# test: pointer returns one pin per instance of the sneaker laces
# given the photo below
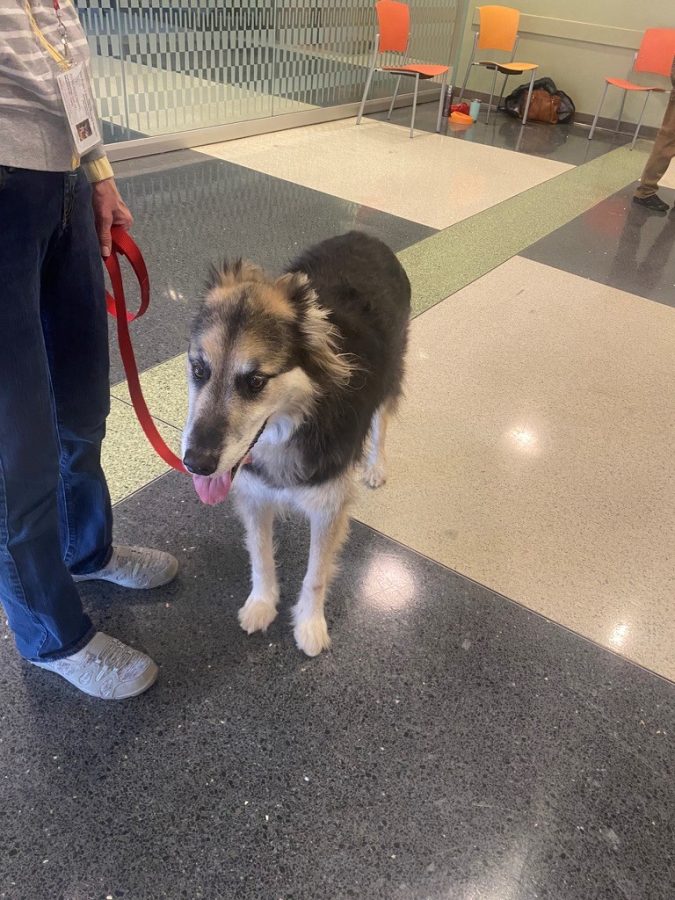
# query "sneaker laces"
(133, 564)
(117, 658)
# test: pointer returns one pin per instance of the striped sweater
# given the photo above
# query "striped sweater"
(33, 126)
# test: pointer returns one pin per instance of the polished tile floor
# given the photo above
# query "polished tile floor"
(496, 714)
(638, 257)
(564, 143)
(429, 180)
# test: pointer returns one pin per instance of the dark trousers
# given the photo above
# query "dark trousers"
(55, 514)
(661, 155)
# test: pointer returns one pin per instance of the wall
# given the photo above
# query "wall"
(578, 43)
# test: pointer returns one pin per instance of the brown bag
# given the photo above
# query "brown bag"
(543, 107)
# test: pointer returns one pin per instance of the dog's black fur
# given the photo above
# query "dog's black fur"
(359, 280)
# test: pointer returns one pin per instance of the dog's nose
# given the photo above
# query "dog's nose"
(200, 463)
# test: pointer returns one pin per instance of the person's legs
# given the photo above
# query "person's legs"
(74, 321)
(661, 155)
(41, 601)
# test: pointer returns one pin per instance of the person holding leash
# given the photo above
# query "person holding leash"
(659, 159)
(58, 201)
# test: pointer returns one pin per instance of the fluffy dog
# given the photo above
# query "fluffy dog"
(292, 382)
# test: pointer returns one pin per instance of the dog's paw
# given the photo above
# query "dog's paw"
(374, 476)
(257, 615)
(311, 635)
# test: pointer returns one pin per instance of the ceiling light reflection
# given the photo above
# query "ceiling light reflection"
(619, 634)
(388, 583)
(524, 439)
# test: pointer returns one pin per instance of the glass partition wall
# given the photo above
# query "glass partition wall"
(177, 74)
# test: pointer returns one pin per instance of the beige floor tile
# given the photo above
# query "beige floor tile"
(534, 452)
(164, 389)
(128, 459)
(429, 179)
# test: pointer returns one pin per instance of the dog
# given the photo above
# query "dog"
(292, 382)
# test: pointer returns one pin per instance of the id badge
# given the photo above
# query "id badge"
(80, 108)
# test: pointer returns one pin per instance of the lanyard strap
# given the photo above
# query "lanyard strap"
(116, 303)
(60, 58)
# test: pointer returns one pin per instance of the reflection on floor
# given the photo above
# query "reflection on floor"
(617, 243)
(453, 742)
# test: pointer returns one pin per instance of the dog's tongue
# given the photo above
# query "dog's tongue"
(212, 489)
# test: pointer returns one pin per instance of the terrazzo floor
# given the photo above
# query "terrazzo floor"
(495, 716)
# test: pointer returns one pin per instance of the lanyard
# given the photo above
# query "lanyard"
(63, 34)
(62, 58)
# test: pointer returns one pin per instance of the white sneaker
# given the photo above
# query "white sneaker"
(106, 668)
(136, 567)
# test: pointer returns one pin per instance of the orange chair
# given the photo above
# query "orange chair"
(393, 35)
(655, 56)
(498, 30)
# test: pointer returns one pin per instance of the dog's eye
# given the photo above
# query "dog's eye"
(255, 382)
(199, 371)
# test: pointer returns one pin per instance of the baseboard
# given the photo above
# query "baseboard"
(184, 140)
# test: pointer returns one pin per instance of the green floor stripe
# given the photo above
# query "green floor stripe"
(447, 261)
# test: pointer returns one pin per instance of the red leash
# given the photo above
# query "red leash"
(117, 307)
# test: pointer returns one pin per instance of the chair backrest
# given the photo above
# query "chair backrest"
(393, 21)
(656, 52)
(498, 27)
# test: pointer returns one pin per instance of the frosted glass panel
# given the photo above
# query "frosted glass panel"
(166, 67)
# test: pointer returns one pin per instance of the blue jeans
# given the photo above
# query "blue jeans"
(55, 514)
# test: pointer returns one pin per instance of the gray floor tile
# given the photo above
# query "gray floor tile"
(451, 744)
(617, 243)
(191, 216)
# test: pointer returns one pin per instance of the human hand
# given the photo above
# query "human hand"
(109, 210)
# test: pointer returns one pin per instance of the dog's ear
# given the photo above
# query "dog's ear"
(296, 286)
(320, 337)
(227, 275)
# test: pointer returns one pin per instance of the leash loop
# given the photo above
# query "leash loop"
(123, 243)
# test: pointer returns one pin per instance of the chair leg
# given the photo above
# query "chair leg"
(499, 102)
(529, 97)
(393, 99)
(466, 74)
(623, 103)
(644, 107)
(412, 118)
(597, 115)
(365, 94)
(440, 103)
(492, 93)
(520, 138)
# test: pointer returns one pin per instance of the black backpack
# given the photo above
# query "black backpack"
(567, 108)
